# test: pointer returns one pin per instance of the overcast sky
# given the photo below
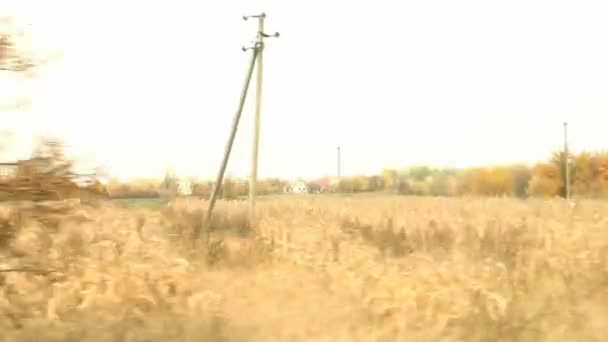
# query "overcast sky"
(148, 84)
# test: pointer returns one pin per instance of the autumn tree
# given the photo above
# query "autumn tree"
(558, 159)
(583, 173)
(313, 187)
(521, 176)
(269, 186)
(390, 179)
(346, 185)
(546, 180)
(201, 189)
(444, 183)
(233, 188)
(600, 183)
(418, 180)
(485, 181)
(419, 173)
(590, 174)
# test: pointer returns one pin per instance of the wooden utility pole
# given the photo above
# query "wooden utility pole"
(258, 108)
(339, 163)
(256, 52)
(220, 175)
(567, 161)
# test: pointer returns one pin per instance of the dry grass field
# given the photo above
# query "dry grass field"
(321, 268)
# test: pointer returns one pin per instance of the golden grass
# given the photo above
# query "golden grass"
(321, 268)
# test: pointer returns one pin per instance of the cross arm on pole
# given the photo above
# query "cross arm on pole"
(261, 15)
(259, 43)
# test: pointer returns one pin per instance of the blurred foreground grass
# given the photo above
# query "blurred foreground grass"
(320, 268)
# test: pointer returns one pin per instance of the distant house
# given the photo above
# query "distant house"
(184, 187)
(298, 187)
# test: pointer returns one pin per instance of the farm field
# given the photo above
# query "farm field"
(156, 203)
(152, 203)
(321, 268)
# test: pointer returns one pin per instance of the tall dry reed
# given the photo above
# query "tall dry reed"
(322, 268)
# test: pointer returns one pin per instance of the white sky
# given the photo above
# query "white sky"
(146, 85)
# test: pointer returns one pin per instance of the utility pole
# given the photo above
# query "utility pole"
(567, 161)
(339, 162)
(220, 175)
(258, 108)
(256, 52)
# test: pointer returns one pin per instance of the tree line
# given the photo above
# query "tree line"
(153, 188)
(588, 170)
(588, 178)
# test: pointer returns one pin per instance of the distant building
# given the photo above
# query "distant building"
(184, 187)
(298, 187)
